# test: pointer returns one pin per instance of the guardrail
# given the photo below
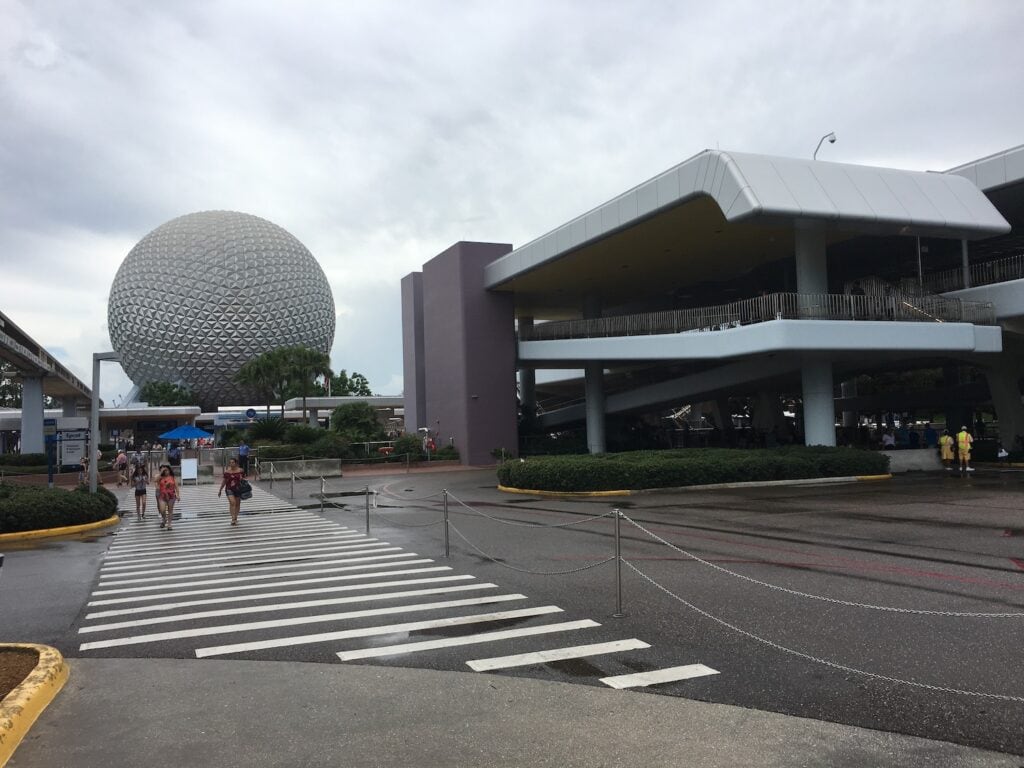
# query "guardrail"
(986, 273)
(775, 306)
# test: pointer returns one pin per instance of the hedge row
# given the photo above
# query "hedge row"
(694, 466)
(32, 508)
(23, 459)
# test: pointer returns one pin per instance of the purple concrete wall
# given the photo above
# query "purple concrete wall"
(469, 351)
(413, 368)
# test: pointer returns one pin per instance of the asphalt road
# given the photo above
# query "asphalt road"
(925, 543)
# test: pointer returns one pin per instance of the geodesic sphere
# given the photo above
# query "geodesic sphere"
(205, 293)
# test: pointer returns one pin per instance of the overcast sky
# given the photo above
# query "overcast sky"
(379, 133)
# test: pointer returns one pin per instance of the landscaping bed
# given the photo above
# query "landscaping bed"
(31, 508)
(15, 666)
(639, 470)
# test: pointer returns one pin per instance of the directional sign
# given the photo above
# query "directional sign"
(251, 413)
(49, 427)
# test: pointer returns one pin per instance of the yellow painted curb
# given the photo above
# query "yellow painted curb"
(67, 529)
(873, 477)
(20, 708)
(563, 494)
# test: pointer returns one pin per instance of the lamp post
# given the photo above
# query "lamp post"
(831, 140)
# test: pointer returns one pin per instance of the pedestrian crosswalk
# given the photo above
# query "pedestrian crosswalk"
(286, 583)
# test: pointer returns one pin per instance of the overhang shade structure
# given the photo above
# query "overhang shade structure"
(738, 208)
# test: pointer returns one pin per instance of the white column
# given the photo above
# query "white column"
(32, 414)
(69, 406)
(595, 407)
(819, 403)
(314, 417)
(812, 277)
(594, 387)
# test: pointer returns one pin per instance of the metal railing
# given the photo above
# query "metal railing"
(986, 273)
(775, 306)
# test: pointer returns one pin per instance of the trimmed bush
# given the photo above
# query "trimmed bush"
(409, 444)
(676, 468)
(23, 459)
(31, 508)
(302, 434)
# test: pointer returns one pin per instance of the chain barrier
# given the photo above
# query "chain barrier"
(526, 570)
(816, 659)
(376, 512)
(834, 601)
(527, 524)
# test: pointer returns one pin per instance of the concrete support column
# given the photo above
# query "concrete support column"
(595, 407)
(69, 406)
(32, 415)
(314, 417)
(1002, 384)
(819, 403)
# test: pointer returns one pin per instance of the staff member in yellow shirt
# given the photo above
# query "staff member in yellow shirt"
(946, 447)
(963, 447)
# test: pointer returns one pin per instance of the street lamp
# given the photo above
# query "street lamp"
(831, 140)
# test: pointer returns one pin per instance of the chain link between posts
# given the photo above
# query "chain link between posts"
(816, 659)
(526, 570)
(530, 525)
(834, 601)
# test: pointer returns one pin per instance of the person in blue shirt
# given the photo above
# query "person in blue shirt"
(931, 437)
(243, 457)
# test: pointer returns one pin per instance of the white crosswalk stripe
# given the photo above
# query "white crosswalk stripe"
(208, 579)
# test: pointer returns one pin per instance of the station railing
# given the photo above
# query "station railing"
(775, 306)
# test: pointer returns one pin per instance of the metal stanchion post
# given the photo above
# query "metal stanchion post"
(271, 475)
(618, 567)
(323, 484)
(367, 491)
(444, 494)
(292, 491)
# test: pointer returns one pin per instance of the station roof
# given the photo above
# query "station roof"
(722, 213)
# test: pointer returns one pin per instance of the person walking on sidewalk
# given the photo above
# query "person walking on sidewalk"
(167, 492)
(963, 447)
(139, 481)
(232, 485)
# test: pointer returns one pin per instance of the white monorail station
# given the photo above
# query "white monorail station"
(602, 292)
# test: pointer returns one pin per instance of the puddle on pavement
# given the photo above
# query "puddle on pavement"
(636, 666)
(460, 629)
(576, 668)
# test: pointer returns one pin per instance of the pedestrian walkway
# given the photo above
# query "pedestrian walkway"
(290, 582)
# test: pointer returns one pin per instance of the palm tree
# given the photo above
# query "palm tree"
(264, 374)
(305, 366)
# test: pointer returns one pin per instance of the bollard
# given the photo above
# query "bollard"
(271, 475)
(367, 491)
(444, 494)
(292, 492)
(323, 484)
(618, 567)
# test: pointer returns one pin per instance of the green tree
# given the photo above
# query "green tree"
(10, 389)
(166, 393)
(343, 384)
(304, 367)
(262, 375)
(357, 422)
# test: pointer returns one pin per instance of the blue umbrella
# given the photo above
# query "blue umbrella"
(186, 432)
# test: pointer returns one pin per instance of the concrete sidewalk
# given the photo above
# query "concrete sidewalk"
(131, 712)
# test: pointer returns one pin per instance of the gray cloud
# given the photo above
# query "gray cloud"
(379, 133)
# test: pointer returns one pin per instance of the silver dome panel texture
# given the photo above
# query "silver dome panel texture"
(203, 294)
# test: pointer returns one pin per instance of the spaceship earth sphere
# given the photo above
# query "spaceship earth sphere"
(204, 293)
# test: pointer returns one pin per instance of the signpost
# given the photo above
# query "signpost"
(50, 439)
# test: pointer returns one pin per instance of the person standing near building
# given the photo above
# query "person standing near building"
(946, 449)
(243, 457)
(963, 448)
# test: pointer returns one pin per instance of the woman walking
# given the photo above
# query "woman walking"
(167, 490)
(232, 485)
(140, 480)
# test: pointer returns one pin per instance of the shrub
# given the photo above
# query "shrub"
(302, 434)
(268, 429)
(668, 469)
(357, 422)
(23, 459)
(409, 444)
(331, 446)
(31, 508)
(448, 453)
(283, 452)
